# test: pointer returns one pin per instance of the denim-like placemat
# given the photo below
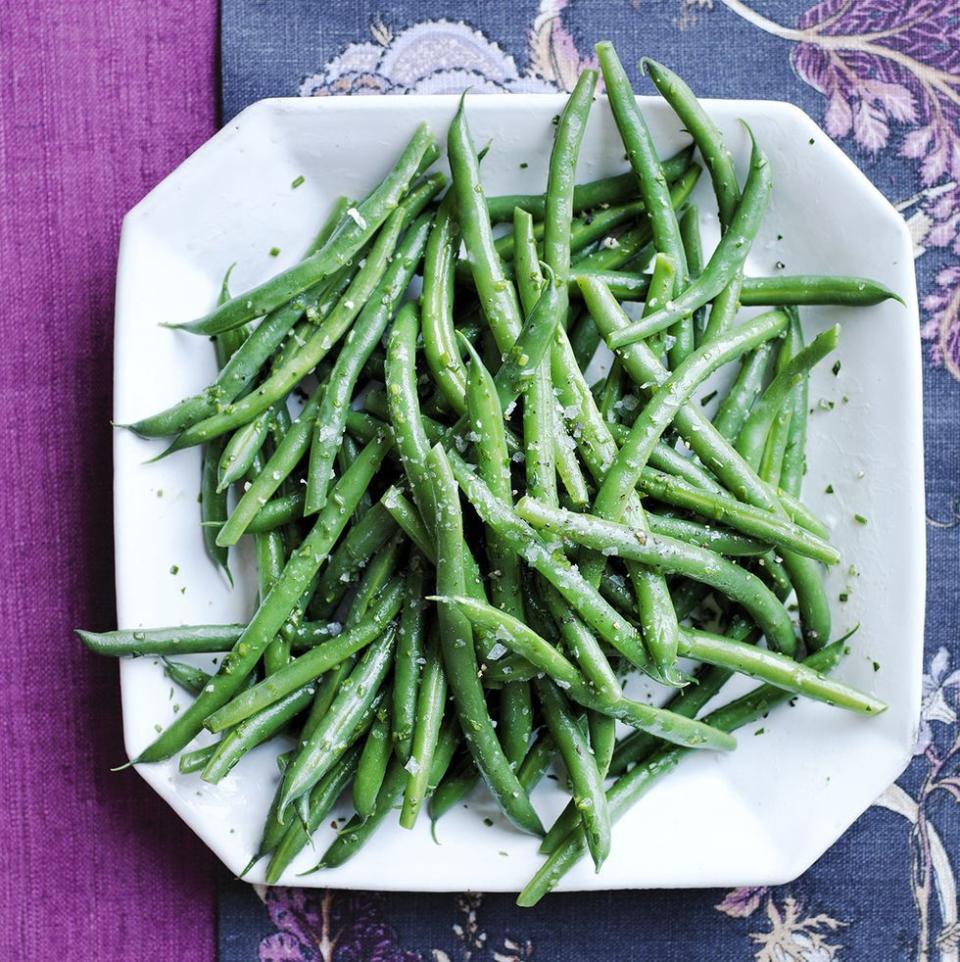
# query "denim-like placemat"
(883, 77)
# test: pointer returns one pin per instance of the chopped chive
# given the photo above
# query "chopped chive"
(860, 519)
(297, 181)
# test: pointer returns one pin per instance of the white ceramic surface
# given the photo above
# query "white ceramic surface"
(762, 814)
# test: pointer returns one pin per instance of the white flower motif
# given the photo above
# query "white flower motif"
(935, 706)
(443, 57)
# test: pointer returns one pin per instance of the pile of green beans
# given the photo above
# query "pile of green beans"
(463, 547)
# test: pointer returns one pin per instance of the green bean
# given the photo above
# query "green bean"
(643, 158)
(330, 739)
(241, 449)
(367, 331)
(497, 295)
(515, 726)
(725, 261)
(812, 289)
(349, 237)
(190, 762)
(213, 502)
(558, 213)
(584, 648)
(252, 732)
(436, 307)
(546, 658)
(754, 432)
(183, 640)
(596, 193)
(705, 133)
(777, 670)
(459, 782)
(364, 539)
(603, 739)
(586, 782)
(794, 464)
(409, 521)
(322, 799)
(493, 466)
(459, 658)
(630, 787)
(735, 408)
(751, 521)
(538, 400)
(274, 609)
(775, 443)
(276, 513)
(406, 669)
(669, 555)
(431, 700)
(725, 462)
(187, 676)
(720, 540)
(372, 767)
(279, 466)
(538, 760)
(685, 331)
(308, 667)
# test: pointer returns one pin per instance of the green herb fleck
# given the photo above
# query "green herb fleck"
(835, 368)
(297, 181)
(876, 666)
(812, 141)
(523, 165)
(825, 405)
(707, 398)
(174, 569)
(760, 731)
(159, 492)
(860, 519)
(843, 597)
(852, 571)
(274, 251)
(488, 822)
(158, 728)
(828, 489)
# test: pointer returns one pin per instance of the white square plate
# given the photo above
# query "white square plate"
(762, 814)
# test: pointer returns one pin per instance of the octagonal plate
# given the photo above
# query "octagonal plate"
(760, 815)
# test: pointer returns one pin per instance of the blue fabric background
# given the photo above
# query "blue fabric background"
(871, 897)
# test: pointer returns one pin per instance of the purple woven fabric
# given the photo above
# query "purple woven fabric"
(98, 101)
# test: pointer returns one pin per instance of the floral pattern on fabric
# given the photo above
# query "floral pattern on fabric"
(887, 74)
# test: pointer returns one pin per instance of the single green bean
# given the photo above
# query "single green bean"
(406, 669)
(777, 670)
(194, 761)
(643, 158)
(735, 408)
(244, 445)
(372, 767)
(431, 701)
(436, 307)
(586, 782)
